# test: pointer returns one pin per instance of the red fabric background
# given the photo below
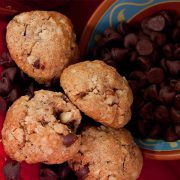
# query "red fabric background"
(79, 11)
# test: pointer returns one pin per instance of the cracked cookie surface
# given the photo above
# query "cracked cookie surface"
(42, 43)
(98, 91)
(41, 129)
(107, 154)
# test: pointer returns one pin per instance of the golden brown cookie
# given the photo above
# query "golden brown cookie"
(42, 44)
(98, 91)
(107, 154)
(41, 129)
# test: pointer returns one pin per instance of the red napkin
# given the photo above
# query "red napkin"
(152, 169)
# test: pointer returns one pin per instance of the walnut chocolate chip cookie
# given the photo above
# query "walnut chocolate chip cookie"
(98, 91)
(41, 129)
(42, 44)
(107, 154)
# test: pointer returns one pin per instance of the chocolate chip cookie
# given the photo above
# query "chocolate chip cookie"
(107, 154)
(41, 129)
(98, 91)
(42, 44)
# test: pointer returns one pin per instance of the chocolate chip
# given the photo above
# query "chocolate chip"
(146, 111)
(83, 172)
(167, 94)
(123, 28)
(119, 54)
(161, 114)
(111, 35)
(42, 66)
(144, 26)
(3, 105)
(139, 77)
(177, 87)
(144, 47)
(168, 50)
(170, 134)
(155, 75)
(177, 101)
(169, 16)
(11, 170)
(13, 95)
(133, 56)
(134, 86)
(5, 86)
(175, 115)
(177, 130)
(174, 67)
(36, 64)
(155, 131)
(69, 139)
(151, 92)
(144, 126)
(138, 102)
(176, 34)
(144, 62)
(158, 38)
(48, 174)
(105, 54)
(163, 65)
(64, 171)
(130, 40)
(177, 53)
(156, 23)
(9, 73)
(6, 60)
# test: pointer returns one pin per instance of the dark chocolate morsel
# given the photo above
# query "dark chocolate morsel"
(144, 47)
(177, 130)
(155, 130)
(37, 64)
(161, 114)
(175, 115)
(119, 54)
(146, 112)
(139, 77)
(177, 53)
(11, 170)
(123, 28)
(158, 38)
(5, 86)
(177, 101)
(174, 67)
(156, 23)
(83, 172)
(151, 92)
(3, 105)
(168, 50)
(144, 62)
(167, 94)
(155, 75)
(9, 73)
(69, 139)
(48, 174)
(130, 40)
(170, 134)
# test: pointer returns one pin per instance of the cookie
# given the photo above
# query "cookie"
(98, 91)
(107, 154)
(41, 129)
(42, 44)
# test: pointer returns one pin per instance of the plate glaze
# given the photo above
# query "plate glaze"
(109, 14)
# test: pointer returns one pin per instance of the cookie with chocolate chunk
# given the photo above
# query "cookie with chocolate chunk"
(107, 154)
(42, 43)
(99, 91)
(41, 129)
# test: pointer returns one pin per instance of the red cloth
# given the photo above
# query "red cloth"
(79, 11)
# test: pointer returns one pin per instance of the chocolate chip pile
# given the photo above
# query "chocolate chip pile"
(148, 55)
